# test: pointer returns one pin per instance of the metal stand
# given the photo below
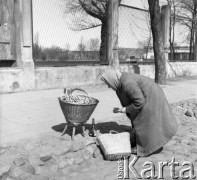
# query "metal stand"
(74, 129)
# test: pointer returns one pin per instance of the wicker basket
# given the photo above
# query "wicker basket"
(115, 146)
(77, 113)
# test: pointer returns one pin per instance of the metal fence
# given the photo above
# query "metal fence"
(53, 39)
(134, 34)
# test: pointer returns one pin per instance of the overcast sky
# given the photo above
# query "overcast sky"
(50, 24)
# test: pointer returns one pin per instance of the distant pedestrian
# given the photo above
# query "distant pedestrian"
(146, 106)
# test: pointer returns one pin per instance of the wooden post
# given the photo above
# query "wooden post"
(195, 45)
(165, 26)
(112, 31)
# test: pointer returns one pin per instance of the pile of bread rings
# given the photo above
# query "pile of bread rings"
(77, 99)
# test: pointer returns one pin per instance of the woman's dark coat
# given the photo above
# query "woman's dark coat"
(149, 111)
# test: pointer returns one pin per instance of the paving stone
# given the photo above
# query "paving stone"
(71, 161)
(45, 156)
(30, 146)
(5, 146)
(54, 168)
(38, 170)
(186, 142)
(64, 144)
(22, 172)
(20, 161)
(4, 170)
(35, 160)
(61, 151)
(86, 154)
(79, 160)
(65, 137)
(91, 148)
(81, 142)
(193, 138)
(38, 177)
(90, 140)
(195, 113)
(97, 154)
(9, 178)
(71, 155)
(63, 177)
(74, 168)
(77, 145)
(62, 164)
(189, 113)
(73, 174)
(2, 151)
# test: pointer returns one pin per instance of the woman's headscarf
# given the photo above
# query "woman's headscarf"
(112, 78)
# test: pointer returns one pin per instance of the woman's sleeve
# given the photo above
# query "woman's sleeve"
(135, 94)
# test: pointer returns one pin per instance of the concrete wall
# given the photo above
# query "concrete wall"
(18, 79)
(181, 69)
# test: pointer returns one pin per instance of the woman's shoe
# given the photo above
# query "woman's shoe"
(156, 152)
(134, 150)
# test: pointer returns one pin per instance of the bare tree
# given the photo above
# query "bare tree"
(81, 46)
(67, 46)
(146, 45)
(187, 15)
(85, 14)
(160, 64)
(172, 5)
(94, 44)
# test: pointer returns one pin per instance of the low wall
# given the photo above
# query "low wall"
(16, 80)
(181, 69)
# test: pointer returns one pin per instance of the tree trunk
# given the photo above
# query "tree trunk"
(103, 46)
(195, 30)
(195, 54)
(191, 43)
(172, 33)
(160, 64)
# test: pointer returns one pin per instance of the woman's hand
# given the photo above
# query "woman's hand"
(119, 110)
(123, 110)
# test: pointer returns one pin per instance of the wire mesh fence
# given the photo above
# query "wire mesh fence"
(135, 36)
(53, 39)
(134, 33)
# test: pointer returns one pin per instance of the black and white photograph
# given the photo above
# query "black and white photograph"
(98, 89)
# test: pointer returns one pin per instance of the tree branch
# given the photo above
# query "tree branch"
(88, 11)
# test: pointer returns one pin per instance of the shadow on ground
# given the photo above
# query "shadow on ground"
(104, 127)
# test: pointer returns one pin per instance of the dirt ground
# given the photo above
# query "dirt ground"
(52, 157)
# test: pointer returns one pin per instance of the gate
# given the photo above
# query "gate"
(7, 33)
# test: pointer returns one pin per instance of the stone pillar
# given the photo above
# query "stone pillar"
(165, 25)
(24, 41)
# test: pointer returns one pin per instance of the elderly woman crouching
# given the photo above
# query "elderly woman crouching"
(146, 106)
